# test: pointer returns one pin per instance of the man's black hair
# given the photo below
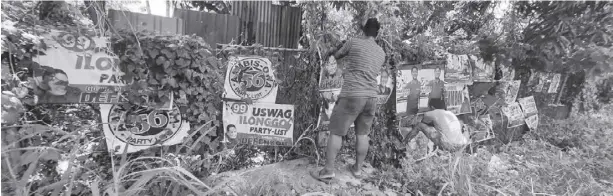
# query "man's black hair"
(371, 28)
(414, 67)
(230, 125)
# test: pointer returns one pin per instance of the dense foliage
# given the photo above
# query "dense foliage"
(60, 148)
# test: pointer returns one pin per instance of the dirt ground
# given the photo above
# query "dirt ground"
(293, 178)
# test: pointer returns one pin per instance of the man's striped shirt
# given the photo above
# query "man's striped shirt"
(364, 62)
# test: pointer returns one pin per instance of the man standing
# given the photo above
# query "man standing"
(357, 101)
(437, 86)
(414, 87)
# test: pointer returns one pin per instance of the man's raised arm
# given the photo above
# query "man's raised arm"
(340, 52)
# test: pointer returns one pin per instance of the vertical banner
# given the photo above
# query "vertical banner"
(511, 89)
(266, 124)
(385, 85)
(77, 69)
(458, 69)
(555, 83)
(139, 128)
(514, 114)
(482, 71)
(457, 98)
(250, 77)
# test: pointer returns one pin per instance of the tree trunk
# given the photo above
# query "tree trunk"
(168, 7)
(94, 9)
(148, 6)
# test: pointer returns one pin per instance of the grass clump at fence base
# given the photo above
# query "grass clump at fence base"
(569, 157)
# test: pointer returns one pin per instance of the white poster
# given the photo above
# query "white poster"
(77, 69)
(416, 86)
(141, 128)
(532, 122)
(555, 83)
(250, 77)
(514, 114)
(511, 89)
(482, 71)
(528, 105)
(266, 124)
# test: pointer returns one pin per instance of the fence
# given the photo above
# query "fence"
(214, 28)
(268, 24)
(138, 22)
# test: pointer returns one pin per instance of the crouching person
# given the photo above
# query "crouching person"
(442, 127)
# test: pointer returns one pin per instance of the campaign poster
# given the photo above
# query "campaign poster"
(555, 83)
(458, 69)
(77, 68)
(482, 71)
(528, 105)
(137, 128)
(511, 89)
(544, 82)
(457, 98)
(532, 122)
(263, 124)
(384, 86)
(514, 115)
(417, 86)
(250, 77)
(330, 84)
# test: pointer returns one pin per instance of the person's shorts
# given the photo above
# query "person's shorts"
(349, 110)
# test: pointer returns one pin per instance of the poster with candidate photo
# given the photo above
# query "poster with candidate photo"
(417, 85)
(264, 124)
(77, 68)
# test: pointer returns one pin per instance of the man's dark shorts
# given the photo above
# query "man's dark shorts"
(348, 110)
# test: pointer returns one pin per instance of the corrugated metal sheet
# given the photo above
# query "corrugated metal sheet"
(214, 28)
(136, 21)
(268, 24)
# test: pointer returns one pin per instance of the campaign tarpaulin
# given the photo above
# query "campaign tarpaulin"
(457, 99)
(458, 69)
(77, 69)
(528, 105)
(250, 77)
(514, 114)
(416, 86)
(384, 86)
(139, 128)
(482, 71)
(265, 124)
